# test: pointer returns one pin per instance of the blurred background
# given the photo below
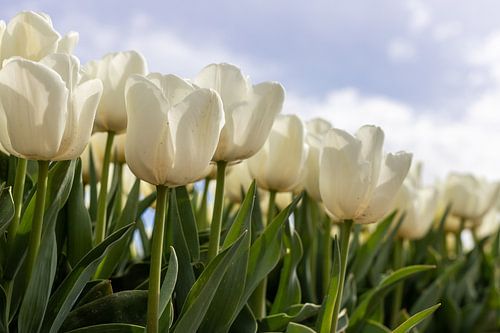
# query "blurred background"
(427, 72)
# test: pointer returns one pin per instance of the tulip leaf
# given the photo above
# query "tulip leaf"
(298, 328)
(79, 227)
(374, 296)
(93, 185)
(95, 289)
(245, 322)
(6, 207)
(372, 326)
(201, 294)
(296, 313)
(415, 319)
(188, 221)
(229, 297)
(67, 293)
(110, 328)
(168, 285)
(3, 315)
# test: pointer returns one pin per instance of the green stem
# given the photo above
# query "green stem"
(17, 196)
(327, 255)
(100, 227)
(156, 257)
(345, 232)
(215, 228)
(36, 226)
(202, 212)
(398, 292)
(119, 202)
(271, 207)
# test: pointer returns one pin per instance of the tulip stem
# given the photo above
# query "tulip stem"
(327, 255)
(271, 206)
(399, 259)
(36, 225)
(345, 233)
(17, 196)
(100, 227)
(156, 257)
(215, 228)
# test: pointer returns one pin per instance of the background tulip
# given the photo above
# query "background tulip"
(31, 35)
(278, 165)
(249, 111)
(356, 181)
(159, 149)
(114, 69)
(48, 109)
(238, 181)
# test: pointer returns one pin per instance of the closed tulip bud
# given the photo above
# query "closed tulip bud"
(418, 206)
(278, 165)
(488, 224)
(31, 35)
(356, 181)
(47, 107)
(113, 70)
(470, 197)
(316, 129)
(173, 129)
(249, 110)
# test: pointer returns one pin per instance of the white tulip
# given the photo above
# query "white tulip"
(238, 180)
(249, 111)
(47, 108)
(356, 181)
(173, 129)
(278, 165)
(114, 69)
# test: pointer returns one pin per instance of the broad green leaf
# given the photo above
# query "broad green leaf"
(168, 284)
(415, 319)
(229, 297)
(67, 293)
(79, 226)
(372, 326)
(3, 309)
(296, 313)
(110, 328)
(100, 289)
(324, 326)
(245, 322)
(201, 294)
(188, 221)
(124, 307)
(298, 328)
(6, 207)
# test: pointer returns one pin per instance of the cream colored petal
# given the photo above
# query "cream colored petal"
(248, 125)
(148, 148)
(82, 113)
(174, 88)
(318, 126)
(34, 99)
(29, 35)
(68, 42)
(119, 148)
(195, 124)
(310, 178)
(66, 65)
(238, 180)
(393, 172)
(227, 80)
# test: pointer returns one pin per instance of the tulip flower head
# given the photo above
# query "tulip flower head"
(249, 110)
(173, 129)
(356, 181)
(278, 165)
(113, 70)
(48, 108)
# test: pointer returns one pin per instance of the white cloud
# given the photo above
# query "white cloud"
(420, 15)
(446, 30)
(401, 50)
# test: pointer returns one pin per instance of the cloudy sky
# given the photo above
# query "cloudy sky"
(427, 72)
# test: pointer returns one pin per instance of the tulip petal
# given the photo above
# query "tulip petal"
(83, 108)
(29, 35)
(34, 99)
(318, 126)
(392, 174)
(67, 66)
(195, 125)
(173, 87)
(68, 42)
(227, 80)
(148, 148)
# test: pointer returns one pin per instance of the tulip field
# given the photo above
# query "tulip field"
(135, 201)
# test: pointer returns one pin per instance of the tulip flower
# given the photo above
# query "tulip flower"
(238, 181)
(357, 185)
(173, 132)
(48, 111)
(31, 35)
(113, 69)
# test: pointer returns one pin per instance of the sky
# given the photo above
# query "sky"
(427, 72)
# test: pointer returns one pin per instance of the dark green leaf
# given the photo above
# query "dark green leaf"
(110, 328)
(415, 319)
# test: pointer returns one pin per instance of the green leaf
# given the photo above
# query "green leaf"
(329, 303)
(79, 226)
(245, 322)
(296, 313)
(228, 298)
(298, 328)
(66, 295)
(204, 289)
(415, 319)
(6, 207)
(188, 221)
(110, 328)
(371, 326)
(125, 307)
(168, 285)
(371, 298)
(100, 289)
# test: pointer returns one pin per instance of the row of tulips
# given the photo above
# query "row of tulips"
(65, 237)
